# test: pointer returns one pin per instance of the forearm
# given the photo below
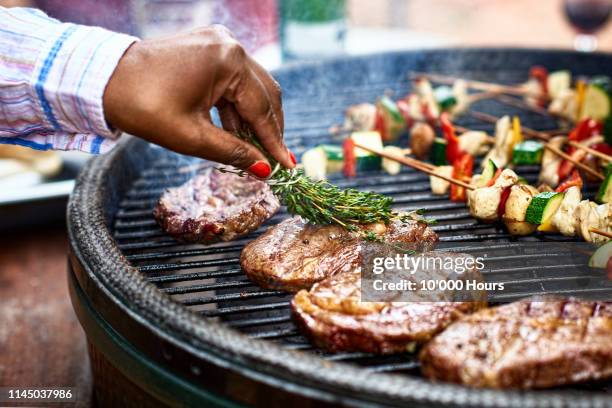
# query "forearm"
(52, 81)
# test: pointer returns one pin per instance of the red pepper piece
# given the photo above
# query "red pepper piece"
(584, 129)
(463, 168)
(379, 124)
(602, 148)
(453, 152)
(541, 75)
(501, 208)
(573, 180)
(350, 161)
(566, 166)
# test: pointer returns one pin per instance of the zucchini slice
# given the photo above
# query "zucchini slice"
(597, 99)
(604, 195)
(392, 118)
(600, 257)
(543, 206)
(367, 161)
(335, 157)
(438, 152)
(607, 130)
(444, 97)
(528, 152)
(487, 173)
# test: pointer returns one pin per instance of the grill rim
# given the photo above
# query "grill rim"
(104, 271)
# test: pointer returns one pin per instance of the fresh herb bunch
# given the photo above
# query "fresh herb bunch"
(322, 203)
(319, 202)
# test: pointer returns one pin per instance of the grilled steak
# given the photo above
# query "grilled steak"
(534, 343)
(293, 255)
(215, 206)
(333, 315)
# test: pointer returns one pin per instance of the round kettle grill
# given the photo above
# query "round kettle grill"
(171, 324)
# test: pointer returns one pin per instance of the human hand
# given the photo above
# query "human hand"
(162, 91)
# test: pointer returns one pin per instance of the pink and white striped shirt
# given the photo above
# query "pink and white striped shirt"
(52, 79)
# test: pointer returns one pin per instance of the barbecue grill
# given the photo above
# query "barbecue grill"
(177, 324)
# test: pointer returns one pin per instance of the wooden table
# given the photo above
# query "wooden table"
(41, 341)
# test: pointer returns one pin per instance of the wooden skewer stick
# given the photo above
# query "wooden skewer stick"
(600, 232)
(518, 103)
(475, 97)
(538, 135)
(415, 164)
(589, 150)
(473, 84)
(581, 166)
(542, 135)
(408, 151)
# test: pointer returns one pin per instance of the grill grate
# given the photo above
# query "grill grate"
(208, 280)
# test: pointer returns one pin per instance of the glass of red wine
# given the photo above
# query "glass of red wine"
(587, 17)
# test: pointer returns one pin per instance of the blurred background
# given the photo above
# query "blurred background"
(292, 28)
(283, 31)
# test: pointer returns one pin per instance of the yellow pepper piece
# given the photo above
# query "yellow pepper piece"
(547, 226)
(580, 92)
(517, 135)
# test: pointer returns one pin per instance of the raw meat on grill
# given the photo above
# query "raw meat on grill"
(335, 317)
(293, 255)
(534, 343)
(215, 206)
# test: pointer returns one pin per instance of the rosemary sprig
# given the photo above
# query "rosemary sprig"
(320, 202)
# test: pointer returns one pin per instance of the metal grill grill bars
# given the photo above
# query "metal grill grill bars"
(209, 281)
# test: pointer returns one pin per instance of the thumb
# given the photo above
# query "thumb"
(223, 147)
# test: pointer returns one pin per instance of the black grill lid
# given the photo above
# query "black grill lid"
(167, 298)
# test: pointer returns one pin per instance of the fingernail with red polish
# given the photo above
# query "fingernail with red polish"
(292, 157)
(260, 169)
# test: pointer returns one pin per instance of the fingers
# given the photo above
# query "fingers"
(273, 89)
(230, 119)
(218, 145)
(260, 106)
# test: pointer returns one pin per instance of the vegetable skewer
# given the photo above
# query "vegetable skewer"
(521, 207)
(474, 84)
(416, 164)
(538, 135)
(548, 93)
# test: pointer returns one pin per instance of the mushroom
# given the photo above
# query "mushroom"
(421, 139)
(516, 208)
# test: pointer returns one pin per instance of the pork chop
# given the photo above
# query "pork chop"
(215, 206)
(534, 343)
(294, 254)
(334, 315)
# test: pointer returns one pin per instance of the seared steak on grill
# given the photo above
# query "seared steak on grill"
(534, 343)
(215, 206)
(335, 317)
(294, 254)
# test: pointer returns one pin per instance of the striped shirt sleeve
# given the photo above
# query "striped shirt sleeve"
(52, 80)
